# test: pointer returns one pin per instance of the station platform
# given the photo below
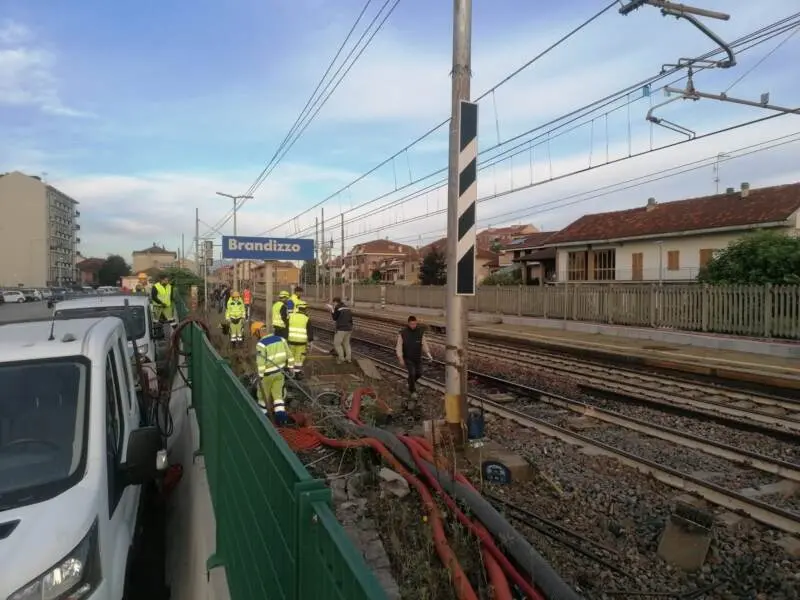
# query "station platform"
(770, 363)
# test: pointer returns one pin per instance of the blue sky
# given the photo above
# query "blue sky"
(142, 111)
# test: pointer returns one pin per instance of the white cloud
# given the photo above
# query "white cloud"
(27, 72)
(120, 213)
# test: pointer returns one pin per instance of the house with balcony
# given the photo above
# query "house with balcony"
(536, 263)
(364, 259)
(669, 241)
(486, 261)
(89, 270)
(154, 258)
(402, 270)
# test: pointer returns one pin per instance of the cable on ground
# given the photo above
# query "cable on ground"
(498, 567)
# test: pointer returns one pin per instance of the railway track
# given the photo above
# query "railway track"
(747, 409)
(717, 494)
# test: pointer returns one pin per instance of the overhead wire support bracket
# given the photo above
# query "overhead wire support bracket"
(683, 95)
(690, 93)
(682, 11)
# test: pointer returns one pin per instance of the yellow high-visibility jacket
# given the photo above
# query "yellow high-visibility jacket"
(273, 354)
(234, 309)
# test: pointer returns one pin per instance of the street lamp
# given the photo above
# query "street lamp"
(235, 208)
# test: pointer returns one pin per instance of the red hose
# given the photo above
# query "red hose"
(462, 586)
(502, 565)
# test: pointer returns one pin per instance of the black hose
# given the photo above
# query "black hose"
(515, 544)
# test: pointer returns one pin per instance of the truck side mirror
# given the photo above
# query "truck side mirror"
(144, 445)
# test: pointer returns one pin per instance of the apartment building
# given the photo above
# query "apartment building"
(38, 233)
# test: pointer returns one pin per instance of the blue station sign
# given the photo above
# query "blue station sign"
(257, 248)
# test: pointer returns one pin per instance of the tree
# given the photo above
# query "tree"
(182, 279)
(506, 278)
(433, 270)
(758, 258)
(112, 270)
(308, 273)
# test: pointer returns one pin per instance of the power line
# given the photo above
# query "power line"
(446, 121)
(503, 194)
(304, 120)
(755, 38)
(509, 153)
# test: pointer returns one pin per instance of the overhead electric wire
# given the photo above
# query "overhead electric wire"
(509, 152)
(622, 186)
(754, 38)
(446, 121)
(311, 102)
(495, 196)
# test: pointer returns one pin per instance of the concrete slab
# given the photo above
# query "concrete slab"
(686, 538)
(785, 487)
(791, 544)
(491, 454)
(501, 398)
(583, 423)
(369, 369)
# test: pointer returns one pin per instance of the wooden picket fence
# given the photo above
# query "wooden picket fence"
(758, 311)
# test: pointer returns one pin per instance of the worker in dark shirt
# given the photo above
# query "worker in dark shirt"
(411, 346)
(343, 319)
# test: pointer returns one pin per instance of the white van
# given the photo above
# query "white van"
(73, 458)
(138, 318)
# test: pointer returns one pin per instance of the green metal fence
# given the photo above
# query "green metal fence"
(276, 536)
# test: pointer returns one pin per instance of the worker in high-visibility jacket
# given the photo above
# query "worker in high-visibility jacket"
(280, 315)
(295, 300)
(247, 298)
(300, 334)
(272, 357)
(234, 315)
(161, 300)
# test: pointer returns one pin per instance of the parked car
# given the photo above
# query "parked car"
(76, 459)
(13, 296)
(46, 294)
(31, 295)
(2, 299)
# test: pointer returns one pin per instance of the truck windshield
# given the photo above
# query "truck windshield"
(43, 410)
(132, 316)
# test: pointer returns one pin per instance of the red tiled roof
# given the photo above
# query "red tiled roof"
(533, 240)
(381, 247)
(761, 206)
(88, 265)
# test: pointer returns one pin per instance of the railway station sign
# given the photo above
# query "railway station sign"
(260, 248)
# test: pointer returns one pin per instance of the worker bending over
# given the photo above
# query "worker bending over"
(272, 357)
(161, 300)
(234, 314)
(300, 334)
(410, 347)
(280, 315)
(295, 299)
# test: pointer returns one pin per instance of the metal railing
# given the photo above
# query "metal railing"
(768, 311)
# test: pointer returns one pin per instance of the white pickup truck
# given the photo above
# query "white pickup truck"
(73, 459)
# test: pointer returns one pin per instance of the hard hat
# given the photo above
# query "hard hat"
(283, 294)
(256, 328)
(142, 275)
(302, 305)
(234, 294)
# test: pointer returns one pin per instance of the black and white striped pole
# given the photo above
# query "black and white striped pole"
(462, 192)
